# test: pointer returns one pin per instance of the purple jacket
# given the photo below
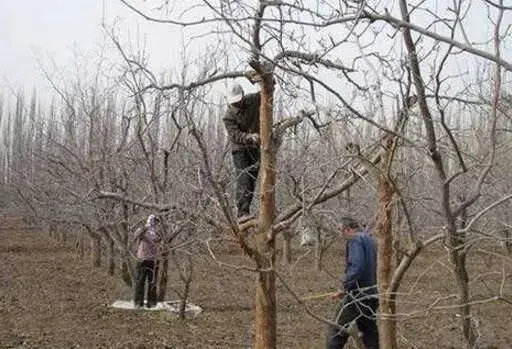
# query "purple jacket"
(146, 240)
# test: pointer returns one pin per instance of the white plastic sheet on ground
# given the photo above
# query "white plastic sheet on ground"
(170, 306)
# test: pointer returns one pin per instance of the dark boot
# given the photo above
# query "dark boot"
(152, 278)
(140, 278)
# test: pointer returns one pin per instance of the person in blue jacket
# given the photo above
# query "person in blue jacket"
(358, 291)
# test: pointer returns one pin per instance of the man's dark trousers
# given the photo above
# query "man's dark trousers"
(352, 307)
(146, 270)
(247, 164)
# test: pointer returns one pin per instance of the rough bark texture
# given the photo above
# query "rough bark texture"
(265, 306)
(384, 233)
(266, 324)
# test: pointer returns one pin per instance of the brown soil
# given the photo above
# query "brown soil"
(50, 298)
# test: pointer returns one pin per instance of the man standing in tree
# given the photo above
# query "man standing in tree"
(358, 290)
(146, 240)
(242, 122)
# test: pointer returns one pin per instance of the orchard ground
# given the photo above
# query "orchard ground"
(50, 298)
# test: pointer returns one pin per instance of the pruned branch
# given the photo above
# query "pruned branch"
(281, 127)
(99, 194)
(312, 59)
(199, 83)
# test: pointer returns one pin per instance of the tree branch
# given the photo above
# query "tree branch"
(397, 23)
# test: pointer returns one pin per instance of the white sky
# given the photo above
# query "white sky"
(52, 30)
(31, 29)
(34, 32)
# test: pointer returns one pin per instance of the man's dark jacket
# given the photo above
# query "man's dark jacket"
(361, 264)
(240, 122)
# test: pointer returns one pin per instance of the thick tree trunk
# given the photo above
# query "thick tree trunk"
(266, 323)
(384, 232)
(266, 320)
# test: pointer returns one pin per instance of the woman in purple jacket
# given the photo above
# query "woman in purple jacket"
(146, 240)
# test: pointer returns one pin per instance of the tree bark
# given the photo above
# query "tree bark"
(96, 251)
(81, 245)
(319, 251)
(457, 260)
(387, 306)
(287, 248)
(266, 315)
(183, 301)
(162, 280)
(63, 236)
(111, 257)
(266, 320)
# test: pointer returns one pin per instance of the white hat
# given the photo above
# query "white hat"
(236, 93)
(151, 222)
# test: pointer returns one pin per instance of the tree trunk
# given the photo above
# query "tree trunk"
(162, 280)
(507, 242)
(387, 306)
(457, 259)
(266, 323)
(127, 273)
(81, 245)
(183, 301)
(96, 251)
(51, 230)
(398, 245)
(319, 251)
(461, 275)
(111, 257)
(287, 248)
(266, 319)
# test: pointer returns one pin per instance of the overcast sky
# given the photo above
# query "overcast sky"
(34, 32)
(37, 29)
(46, 30)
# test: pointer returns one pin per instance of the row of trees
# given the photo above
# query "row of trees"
(386, 129)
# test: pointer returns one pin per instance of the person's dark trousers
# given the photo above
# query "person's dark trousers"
(350, 308)
(146, 270)
(247, 165)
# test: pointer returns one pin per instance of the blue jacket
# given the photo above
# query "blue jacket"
(361, 263)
